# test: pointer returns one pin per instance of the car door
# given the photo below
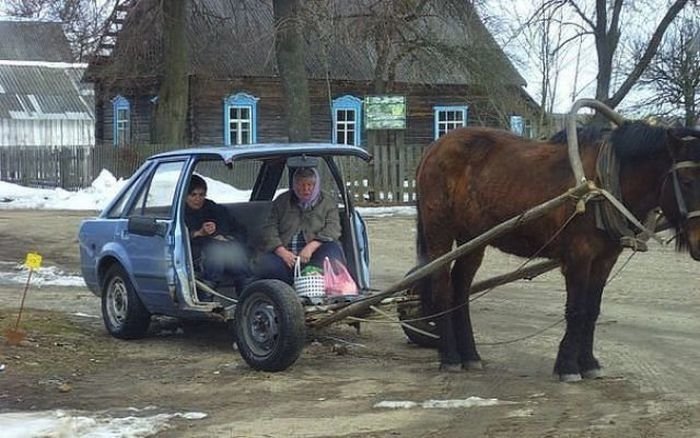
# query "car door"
(151, 254)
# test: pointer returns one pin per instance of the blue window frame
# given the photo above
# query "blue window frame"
(517, 124)
(347, 116)
(240, 119)
(447, 118)
(121, 121)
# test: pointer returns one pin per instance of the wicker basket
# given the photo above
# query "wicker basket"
(311, 287)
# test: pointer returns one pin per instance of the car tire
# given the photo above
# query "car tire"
(123, 313)
(269, 323)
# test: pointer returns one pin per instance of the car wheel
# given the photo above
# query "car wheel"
(124, 314)
(269, 325)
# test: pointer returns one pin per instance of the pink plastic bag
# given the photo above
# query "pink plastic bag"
(337, 279)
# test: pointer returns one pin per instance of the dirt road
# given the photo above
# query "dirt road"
(647, 340)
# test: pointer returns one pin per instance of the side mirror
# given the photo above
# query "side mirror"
(145, 226)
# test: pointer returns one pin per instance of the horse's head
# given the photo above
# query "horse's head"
(680, 193)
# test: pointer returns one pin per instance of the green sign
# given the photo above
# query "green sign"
(385, 112)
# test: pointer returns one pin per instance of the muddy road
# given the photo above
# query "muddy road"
(648, 340)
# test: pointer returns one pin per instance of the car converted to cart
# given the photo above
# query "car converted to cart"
(136, 255)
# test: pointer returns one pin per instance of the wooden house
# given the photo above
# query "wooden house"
(448, 72)
(42, 99)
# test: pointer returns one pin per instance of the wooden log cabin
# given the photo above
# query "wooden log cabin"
(440, 59)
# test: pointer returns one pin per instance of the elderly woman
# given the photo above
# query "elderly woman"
(303, 223)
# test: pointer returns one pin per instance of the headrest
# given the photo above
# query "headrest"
(302, 161)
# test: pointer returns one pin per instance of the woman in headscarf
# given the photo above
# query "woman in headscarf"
(303, 223)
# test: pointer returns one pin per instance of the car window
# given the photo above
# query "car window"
(156, 197)
(228, 184)
(118, 208)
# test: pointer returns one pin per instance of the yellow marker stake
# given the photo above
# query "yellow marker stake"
(33, 261)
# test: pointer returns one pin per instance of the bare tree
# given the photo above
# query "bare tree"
(673, 77)
(173, 96)
(603, 20)
(289, 50)
(82, 19)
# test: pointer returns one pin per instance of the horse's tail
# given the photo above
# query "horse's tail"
(423, 286)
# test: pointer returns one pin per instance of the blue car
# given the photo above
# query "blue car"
(136, 254)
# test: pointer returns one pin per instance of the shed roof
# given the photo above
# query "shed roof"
(42, 91)
(33, 41)
(236, 38)
(38, 79)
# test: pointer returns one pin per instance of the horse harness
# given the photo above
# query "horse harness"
(609, 217)
(678, 192)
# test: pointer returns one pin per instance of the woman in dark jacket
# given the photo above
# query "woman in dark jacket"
(217, 240)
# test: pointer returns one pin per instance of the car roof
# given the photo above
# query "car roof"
(269, 150)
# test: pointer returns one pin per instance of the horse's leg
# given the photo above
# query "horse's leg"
(442, 301)
(462, 275)
(576, 273)
(600, 271)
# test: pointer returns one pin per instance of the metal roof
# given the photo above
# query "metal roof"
(43, 91)
(33, 41)
(263, 151)
(236, 38)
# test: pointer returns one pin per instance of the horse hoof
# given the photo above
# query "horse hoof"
(569, 378)
(450, 368)
(473, 365)
(595, 373)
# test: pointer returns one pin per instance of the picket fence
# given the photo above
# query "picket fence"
(388, 179)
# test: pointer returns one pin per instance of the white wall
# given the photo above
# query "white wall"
(55, 132)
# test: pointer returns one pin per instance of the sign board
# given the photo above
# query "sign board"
(385, 112)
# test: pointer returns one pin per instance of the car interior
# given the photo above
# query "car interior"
(260, 183)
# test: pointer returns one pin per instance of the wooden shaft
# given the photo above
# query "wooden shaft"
(477, 242)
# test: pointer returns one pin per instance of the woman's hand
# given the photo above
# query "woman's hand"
(208, 228)
(288, 257)
(309, 251)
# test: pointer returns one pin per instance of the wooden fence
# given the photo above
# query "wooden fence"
(388, 179)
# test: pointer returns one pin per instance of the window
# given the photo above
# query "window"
(517, 124)
(118, 208)
(240, 119)
(121, 121)
(347, 113)
(448, 118)
(156, 197)
(521, 126)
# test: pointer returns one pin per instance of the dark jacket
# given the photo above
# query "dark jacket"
(212, 212)
(320, 222)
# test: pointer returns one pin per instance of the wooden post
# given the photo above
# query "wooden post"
(477, 242)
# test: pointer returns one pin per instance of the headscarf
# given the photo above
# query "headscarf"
(311, 200)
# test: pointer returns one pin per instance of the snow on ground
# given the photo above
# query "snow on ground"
(60, 423)
(95, 197)
(470, 402)
(17, 273)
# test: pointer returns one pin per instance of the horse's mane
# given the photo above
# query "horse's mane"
(630, 140)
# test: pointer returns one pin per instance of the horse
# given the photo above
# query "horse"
(471, 179)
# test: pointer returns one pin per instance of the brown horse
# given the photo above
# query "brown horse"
(472, 179)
